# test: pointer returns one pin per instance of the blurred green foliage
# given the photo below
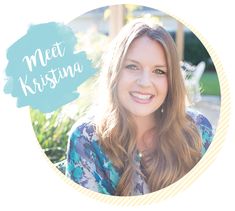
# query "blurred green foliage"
(52, 128)
(194, 50)
(210, 84)
(51, 131)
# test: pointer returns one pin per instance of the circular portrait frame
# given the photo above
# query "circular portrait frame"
(200, 167)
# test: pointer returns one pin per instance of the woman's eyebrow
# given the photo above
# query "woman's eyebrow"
(132, 60)
(160, 65)
(157, 65)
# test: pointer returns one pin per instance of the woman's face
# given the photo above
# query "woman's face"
(142, 87)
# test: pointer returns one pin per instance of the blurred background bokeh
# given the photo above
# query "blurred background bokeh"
(94, 31)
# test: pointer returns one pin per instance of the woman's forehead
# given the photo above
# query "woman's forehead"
(147, 49)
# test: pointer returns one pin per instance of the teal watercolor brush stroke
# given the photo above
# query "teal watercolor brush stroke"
(42, 37)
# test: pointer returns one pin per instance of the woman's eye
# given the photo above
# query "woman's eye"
(132, 67)
(159, 72)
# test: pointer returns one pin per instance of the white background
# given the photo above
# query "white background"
(27, 181)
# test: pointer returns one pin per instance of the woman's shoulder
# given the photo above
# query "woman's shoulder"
(83, 128)
(83, 141)
(87, 163)
(204, 127)
(199, 118)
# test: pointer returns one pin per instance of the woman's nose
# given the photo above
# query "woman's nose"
(144, 79)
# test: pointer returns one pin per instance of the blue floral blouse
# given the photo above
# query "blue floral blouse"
(88, 165)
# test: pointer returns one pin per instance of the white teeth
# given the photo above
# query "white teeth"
(142, 97)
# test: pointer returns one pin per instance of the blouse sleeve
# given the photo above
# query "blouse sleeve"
(83, 160)
(205, 129)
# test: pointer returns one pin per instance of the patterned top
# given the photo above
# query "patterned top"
(89, 166)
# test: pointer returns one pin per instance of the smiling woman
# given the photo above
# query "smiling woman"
(141, 137)
(142, 86)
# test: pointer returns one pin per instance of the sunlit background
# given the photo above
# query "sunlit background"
(94, 31)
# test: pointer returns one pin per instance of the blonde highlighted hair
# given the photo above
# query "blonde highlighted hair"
(177, 143)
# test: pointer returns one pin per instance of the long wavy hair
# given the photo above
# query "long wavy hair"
(177, 144)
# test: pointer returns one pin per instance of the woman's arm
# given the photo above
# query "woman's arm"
(205, 129)
(206, 132)
(84, 165)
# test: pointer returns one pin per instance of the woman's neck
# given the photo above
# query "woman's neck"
(144, 136)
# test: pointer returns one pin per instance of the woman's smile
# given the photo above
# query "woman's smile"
(142, 98)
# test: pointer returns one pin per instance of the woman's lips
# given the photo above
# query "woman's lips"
(142, 98)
